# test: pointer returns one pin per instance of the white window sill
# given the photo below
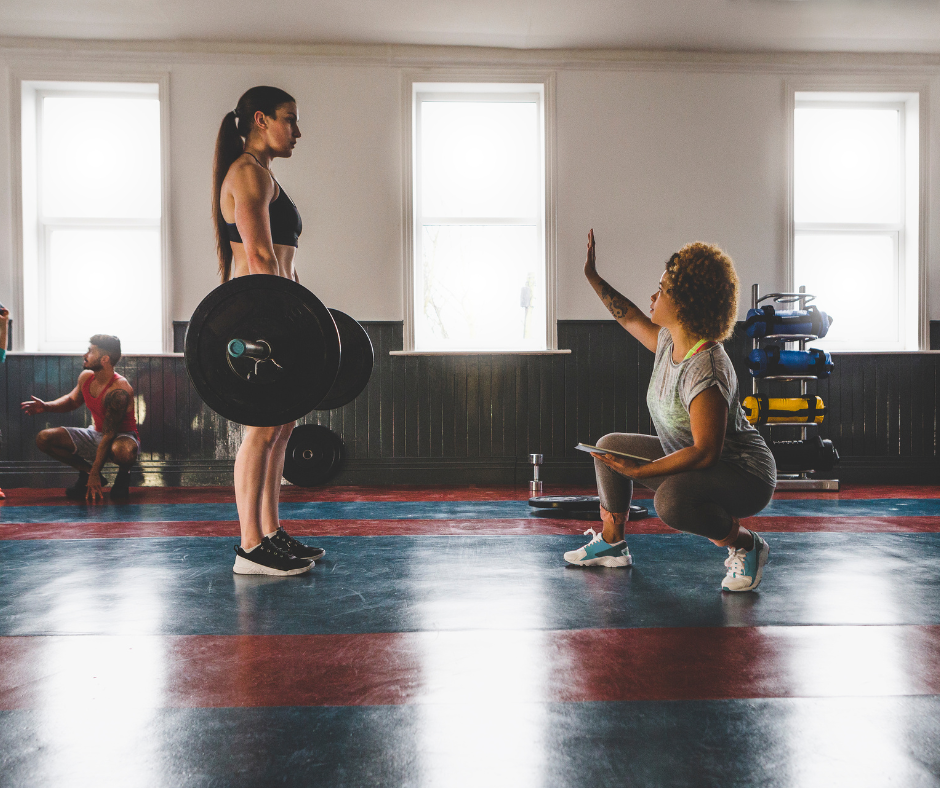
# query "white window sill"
(479, 352)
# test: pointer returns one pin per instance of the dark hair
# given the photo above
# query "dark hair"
(702, 282)
(109, 345)
(229, 145)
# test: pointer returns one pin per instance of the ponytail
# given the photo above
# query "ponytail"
(229, 145)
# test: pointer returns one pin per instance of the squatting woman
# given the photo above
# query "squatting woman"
(709, 466)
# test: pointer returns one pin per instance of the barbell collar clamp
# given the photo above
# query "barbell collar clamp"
(259, 350)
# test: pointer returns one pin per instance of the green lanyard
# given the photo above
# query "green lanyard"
(696, 347)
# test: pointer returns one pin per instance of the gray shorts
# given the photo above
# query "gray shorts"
(86, 440)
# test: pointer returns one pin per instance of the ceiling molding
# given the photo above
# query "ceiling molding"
(418, 56)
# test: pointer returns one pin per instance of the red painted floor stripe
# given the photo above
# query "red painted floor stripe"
(742, 662)
(507, 527)
(857, 525)
(535, 526)
(469, 667)
(26, 496)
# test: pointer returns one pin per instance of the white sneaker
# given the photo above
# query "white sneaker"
(598, 553)
(746, 567)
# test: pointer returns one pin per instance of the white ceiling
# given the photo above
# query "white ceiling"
(808, 25)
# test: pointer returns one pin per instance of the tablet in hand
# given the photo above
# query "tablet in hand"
(598, 450)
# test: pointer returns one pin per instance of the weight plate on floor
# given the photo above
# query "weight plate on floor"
(313, 455)
(580, 503)
(355, 366)
(569, 503)
(304, 342)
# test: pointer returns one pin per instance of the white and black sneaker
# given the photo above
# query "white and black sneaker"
(288, 544)
(268, 559)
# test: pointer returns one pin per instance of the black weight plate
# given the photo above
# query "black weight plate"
(303, 339)
(355, 365)
(569, 503)
(313, 455)
(580, 503)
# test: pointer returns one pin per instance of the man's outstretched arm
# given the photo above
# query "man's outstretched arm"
(65, 404)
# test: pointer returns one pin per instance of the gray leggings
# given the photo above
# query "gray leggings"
(698, 502)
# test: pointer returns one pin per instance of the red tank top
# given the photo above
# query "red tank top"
(96, 406)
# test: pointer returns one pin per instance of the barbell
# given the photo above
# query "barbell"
(262, 350)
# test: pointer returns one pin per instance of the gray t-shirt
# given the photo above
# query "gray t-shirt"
(672, 389)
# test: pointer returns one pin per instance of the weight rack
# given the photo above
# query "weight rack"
(787, 481)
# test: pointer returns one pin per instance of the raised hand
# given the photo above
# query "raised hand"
(590, 264)
(34, 406)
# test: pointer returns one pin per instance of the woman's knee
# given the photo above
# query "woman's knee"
(666, 509)
(609, 441)
(262, 438)
(673, 505)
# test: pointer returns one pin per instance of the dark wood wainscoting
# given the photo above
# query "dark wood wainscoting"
(475, 419)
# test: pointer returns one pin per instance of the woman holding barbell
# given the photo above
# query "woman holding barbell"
(257, 230)
(709, 466)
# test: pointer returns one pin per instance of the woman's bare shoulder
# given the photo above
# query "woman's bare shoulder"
(247, 176)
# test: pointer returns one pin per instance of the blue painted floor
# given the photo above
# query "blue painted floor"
(421, 510)
(423, 659)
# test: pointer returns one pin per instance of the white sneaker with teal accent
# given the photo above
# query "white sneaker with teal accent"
(598, 553)
(745, 567)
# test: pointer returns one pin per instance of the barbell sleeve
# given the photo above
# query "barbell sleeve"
(240, 347)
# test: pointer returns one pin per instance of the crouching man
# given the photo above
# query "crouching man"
(113, 437)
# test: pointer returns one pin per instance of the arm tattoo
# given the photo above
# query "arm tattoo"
(618, 305)
(115, 406)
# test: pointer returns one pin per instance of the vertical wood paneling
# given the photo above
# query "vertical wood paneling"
(533, 442)
(869, 391)
(461, 417)
(498, 367)
(478, 407)
(849, 435)
(424, 405)
(485, 404)
(569, 366)
(168, 397)
(449, 409)
(473, 406)
(581, 347)
(544, 408)
(905, 405)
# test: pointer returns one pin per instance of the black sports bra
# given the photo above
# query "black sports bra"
(285, 222)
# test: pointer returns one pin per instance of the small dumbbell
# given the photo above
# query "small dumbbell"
(535, 486)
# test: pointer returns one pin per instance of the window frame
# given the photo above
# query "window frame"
(32, 231)
(908, 235)
(478, 86)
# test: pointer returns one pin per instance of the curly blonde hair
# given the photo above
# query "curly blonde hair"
(701, 280)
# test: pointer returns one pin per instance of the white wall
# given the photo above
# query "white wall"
(652, 151)
(344, 176)
(653, 161)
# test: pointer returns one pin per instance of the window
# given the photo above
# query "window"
(92, 215)
(479, 271)
(856, 215)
